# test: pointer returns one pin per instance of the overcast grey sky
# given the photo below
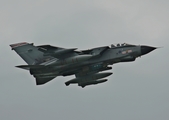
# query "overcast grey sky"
(136, 91)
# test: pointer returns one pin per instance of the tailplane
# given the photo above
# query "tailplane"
(28, 52)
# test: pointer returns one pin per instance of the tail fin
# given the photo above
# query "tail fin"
(28, 52)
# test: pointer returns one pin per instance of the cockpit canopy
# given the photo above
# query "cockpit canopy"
(120, 45)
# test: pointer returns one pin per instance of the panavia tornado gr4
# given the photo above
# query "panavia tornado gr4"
(46, 62)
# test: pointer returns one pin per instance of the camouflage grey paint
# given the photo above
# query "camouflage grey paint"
(47, 62)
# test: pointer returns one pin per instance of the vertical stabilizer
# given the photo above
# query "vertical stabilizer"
(28, 52)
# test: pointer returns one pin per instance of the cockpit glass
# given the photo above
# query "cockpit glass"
(118, 45)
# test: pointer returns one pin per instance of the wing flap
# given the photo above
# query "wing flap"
(57, 52)
(96, 51)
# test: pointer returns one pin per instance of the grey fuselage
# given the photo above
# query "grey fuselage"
(46, 62)
(110, 56)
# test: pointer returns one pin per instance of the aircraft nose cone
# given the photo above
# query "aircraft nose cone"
(146, 49)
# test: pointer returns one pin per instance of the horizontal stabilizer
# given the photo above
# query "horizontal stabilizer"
(28, 67)
(42, 80)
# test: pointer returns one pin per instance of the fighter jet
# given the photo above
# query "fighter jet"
(45, 62)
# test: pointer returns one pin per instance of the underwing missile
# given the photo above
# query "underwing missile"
(83, 84)
(88, 78)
